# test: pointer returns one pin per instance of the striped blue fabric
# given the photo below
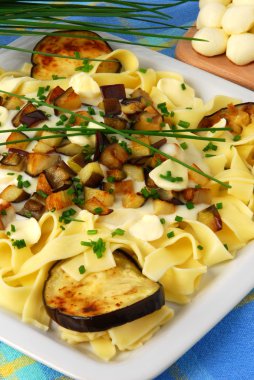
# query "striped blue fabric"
(225, 353)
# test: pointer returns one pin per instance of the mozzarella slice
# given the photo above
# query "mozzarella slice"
(84, 85)
(148, 228)
(176, 170)
(173, 89)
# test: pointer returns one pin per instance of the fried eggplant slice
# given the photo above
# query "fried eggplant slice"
(101, 300)
(7, 213)
(34, 207)
(14, 161)
(211, 217)
(91, 175)
(44, 67)
(237, 116)
(14, 194)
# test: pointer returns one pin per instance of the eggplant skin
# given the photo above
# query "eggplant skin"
(92, 315)
(45, 66)
(230, 113)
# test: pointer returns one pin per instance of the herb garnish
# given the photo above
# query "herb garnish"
(19, 243)
(168, 177)
(22, 183)
(99, 246)
(82, 269)
(149, 193)
(66, 216)
(118, 231)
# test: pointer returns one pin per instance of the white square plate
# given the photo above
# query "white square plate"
(224, 286)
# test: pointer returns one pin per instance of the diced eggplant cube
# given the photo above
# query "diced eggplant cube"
(211, 217)
(113, 91)
(112, 106)
(59, 176)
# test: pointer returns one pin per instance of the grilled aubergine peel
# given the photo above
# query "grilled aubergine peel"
(237, 116)
(101, 300)
(46, 66)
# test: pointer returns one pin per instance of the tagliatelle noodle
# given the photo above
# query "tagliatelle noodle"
(181, 281)
(177, 262)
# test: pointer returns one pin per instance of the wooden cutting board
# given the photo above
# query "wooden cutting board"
(219, 65)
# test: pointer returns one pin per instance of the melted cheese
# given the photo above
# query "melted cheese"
(148, 228)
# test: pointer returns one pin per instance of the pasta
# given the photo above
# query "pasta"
(180, 246)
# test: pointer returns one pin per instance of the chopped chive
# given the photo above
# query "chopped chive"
(209, 155)
(13, 228)
(163, 108)
(3, 212)
(98, 210)
(183, 124)
(210, 146)
(55, 77)
(149, 119)
(236, 138)
(10, 173)
(111, 179)
(118, 231)
(42, 194)
(124, 145)
(141, 70)
(99, 246)
(92, 232)
(178, 218)
(82, 269)
(219, 205)
(170, 178)
(70, 191)
(19, 243)
(183, 86)
(190, 205)
(162, 220)
(200, 247)
(170, 234)
(90, 110)
(184, 145)
(149, 193)
(226, 246)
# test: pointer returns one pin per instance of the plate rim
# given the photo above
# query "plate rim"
(121, 369)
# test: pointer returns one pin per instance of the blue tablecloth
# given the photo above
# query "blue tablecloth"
(225, 353)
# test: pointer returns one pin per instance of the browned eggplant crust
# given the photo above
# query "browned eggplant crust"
(44, 67)
(237, 116)
(86, 306)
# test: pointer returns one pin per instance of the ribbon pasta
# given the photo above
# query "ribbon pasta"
(177, 262)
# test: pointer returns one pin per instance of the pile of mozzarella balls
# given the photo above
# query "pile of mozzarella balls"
(229, 28)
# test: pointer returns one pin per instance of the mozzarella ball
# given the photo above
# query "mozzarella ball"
(238, 19)
(204, 2)
(216, 41)
(211, 15)
(240, 48)
(243, 2)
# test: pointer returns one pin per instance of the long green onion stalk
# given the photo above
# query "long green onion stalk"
(39, 18)
(123, 133)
